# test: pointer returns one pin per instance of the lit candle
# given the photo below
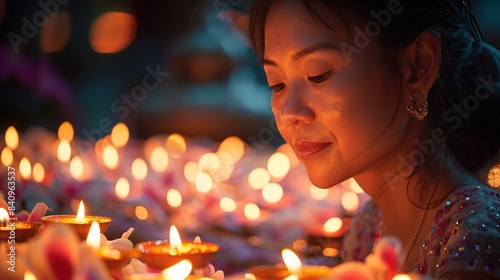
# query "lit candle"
(293, 269)
(113, 258)
(161, 254)
(13, 231)
(81, 222)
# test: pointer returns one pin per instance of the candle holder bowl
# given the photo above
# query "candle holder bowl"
(82, 229)
(156, 254)
(23, 231)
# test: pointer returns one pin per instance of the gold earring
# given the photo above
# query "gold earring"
(417, 106)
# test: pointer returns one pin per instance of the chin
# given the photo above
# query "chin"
(325, 179)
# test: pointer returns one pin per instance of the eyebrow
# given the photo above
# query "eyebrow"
(309, 50)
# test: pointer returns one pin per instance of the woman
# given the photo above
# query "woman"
(402, 96)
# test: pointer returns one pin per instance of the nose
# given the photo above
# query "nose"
(295, 109)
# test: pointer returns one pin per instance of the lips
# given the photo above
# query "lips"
(306, 149)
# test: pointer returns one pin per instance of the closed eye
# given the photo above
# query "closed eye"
(320, 78)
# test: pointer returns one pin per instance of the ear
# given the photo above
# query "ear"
(421, 61)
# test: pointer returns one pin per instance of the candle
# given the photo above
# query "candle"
(113, 258)
(13, 231)
(293, 269)
(81, 222)
(161, 254)
(178, 271)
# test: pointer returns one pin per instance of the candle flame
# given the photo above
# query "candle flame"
(110, 156)
(272, 192)
(332, 225)
(11, 138)
(122, 188)
(64, 151)
(28, 275)
(251, 211)
(174, 198)
(25, 168)
(66, 131)
(76, 167)
(292, 261)
(80, 215)
(178, 271)
(38, 172)
(139, 169)
(176, 145)
(4, 216)
(159, 159)
(278, 165)
(7, 156)
(401, 277)
(175, 239)
(120, 134)
(94, 236)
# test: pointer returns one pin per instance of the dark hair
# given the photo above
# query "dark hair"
(468, 74)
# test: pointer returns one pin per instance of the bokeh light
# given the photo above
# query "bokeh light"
(112, 32)
(55, 34)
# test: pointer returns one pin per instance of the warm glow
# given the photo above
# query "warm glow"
(494, 176)
(4, 216)
(139, 169)
(120, 135)
(66, 131)
(353, 185)
(28, 275)
(278, 165)
(38, 172)
(226, 166)
(159, 159)
(251, 211)
(178, 271)
(141, 212)
(204, 183)
(227, 204)
(233, 146)
(209, 162)
(176, 145)
(258, 178)
(292, 261)
(174, 198)
(80, 215)
(25, 168)
(112, 32)
(122, 188)
(272, 192)
(191, 171)
(401, 277)
(110, 157)
(287, 150)
(55, 34)
(7, 156)
(94, 236)
(76, 167)
(11, 138)
(350, 201)
(317, 193)
(332, 225)
(64, 151)
(175, 239)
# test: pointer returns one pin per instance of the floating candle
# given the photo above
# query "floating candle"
(161, 254)
(81, 222)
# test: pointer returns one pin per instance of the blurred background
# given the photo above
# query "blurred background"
(86, 63)
(184, 82)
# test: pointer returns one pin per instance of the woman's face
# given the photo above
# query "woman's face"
(341, 115)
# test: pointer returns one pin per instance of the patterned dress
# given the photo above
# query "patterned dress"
(465, 234)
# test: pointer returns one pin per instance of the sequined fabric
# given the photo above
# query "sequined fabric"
(465, 234)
